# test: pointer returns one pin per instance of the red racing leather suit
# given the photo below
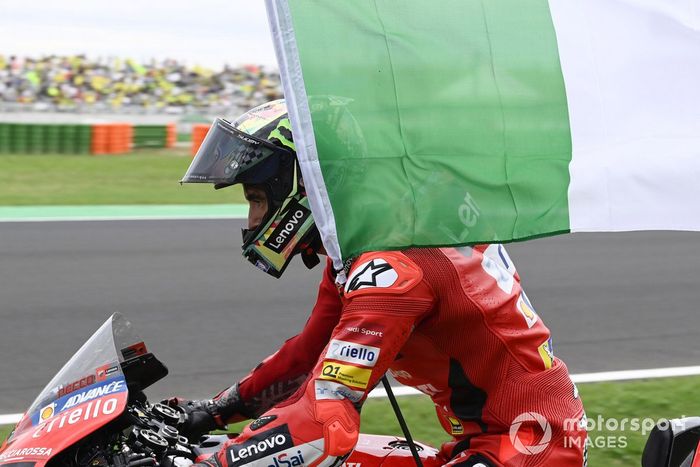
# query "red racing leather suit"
(453, 323)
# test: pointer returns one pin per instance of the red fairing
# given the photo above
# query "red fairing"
(390, 451)
(54, 435)
(696, 458)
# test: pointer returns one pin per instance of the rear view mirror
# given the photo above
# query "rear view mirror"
(673, 444)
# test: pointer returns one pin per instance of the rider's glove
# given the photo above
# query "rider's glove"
(206, 415)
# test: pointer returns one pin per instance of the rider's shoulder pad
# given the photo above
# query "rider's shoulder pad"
(382, 272)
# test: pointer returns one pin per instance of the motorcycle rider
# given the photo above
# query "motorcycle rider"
(451, 322)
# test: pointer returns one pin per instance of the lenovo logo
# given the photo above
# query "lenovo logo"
(287, 228)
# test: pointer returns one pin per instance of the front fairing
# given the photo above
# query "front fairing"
(86, 394)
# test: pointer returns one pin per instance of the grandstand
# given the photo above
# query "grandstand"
(106, 85)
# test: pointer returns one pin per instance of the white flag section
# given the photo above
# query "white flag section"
(632, 75)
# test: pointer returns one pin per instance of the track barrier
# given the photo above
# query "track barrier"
(97, 138)
(199, 132)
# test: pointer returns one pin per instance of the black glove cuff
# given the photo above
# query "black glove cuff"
(229, 403)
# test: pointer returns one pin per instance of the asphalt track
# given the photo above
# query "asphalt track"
(613, 301)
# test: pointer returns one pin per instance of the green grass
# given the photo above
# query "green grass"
(656, 399)
(4, 431)
(142, 177)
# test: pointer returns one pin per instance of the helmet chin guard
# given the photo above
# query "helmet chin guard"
(286, 230)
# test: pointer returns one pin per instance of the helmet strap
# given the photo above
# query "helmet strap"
(310, 259)
(309, 252)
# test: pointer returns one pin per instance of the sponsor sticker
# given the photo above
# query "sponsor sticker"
(91, 411)
(287, 227)
(365, 331)
(525, 308)
(347, 374)
(400, 374)
(76, 385)
(261, 445)
(328, 390)
(352, 352)
(497, 264)
(112, 387)
(134, 351)
(106, 371)
(428, 389)
(303, 454)
(47, 412)
(86, 394)
(21, 453)
(261, 422)
(456, 427)
(375, 273)
(546, 353)
(288, 459)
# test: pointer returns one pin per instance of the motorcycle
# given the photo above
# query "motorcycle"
(95, 413)
(673, 443)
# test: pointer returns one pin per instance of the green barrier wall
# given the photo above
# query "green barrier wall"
(4, 138)
(84, 137)
(150, 136)
(23, 138)
(18, 137)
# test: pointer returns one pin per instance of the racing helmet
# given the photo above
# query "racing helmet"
(258, 149)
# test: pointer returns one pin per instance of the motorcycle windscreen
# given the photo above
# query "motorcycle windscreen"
(228, 156)
(88, 392)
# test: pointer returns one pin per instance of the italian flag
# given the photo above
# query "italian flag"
(454, 122)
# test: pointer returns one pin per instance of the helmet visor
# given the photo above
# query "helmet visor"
(229, 156)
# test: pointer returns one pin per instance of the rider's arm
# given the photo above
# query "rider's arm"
(276, 378)
(281, 374)
(382, 305)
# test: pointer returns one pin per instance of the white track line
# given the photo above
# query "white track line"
(10, 419)
(636, 374)
(600, 377)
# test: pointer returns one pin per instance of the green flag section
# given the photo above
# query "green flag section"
(467, 121)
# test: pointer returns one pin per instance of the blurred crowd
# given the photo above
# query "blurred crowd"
(81, 83)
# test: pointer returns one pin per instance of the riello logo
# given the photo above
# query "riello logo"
(91, 411)
(352, 352)
(357, 352)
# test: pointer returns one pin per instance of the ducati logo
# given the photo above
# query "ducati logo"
(375, 273)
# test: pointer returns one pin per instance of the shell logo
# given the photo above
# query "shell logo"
(47, 412)
(526, 309)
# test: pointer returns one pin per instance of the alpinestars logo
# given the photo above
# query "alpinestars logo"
(375, 273)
